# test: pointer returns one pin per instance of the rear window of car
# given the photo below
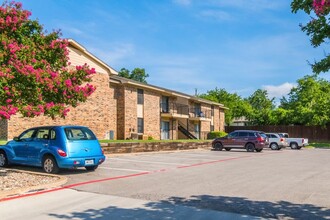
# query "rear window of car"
(252, 134)
(79, 134)
(263, 135)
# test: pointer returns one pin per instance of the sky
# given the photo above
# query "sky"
(189, 45)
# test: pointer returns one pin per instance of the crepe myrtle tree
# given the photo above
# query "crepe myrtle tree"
(318, 28)
(35, 77)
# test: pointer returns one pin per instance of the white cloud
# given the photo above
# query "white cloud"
(278, 91)
(113, 54)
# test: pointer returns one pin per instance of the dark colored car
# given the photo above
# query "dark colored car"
(54, 147)
(242, 139)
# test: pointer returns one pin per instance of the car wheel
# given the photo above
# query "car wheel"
(250, 147)
(218, 146)
(3, 159)
(49, 165)
(227, 148)
(259, 150)
(91, 168)
(274, 146)
(294, 146)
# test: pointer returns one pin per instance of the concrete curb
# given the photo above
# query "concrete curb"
(14, 192)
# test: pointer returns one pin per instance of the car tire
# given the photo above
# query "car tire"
(218, 146)
(294, 146)
(91, 168)
(3, 159)
(250, 147)
(49, 165)
(274, 146)
(227, 148)
(259, 149)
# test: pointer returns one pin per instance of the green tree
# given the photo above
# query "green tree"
(317, 28)
(308, 103)
(262, 107)
(34, 77)
(238, 107)
(137, 74)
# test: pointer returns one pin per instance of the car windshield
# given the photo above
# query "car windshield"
(74, 133)
(263, 135)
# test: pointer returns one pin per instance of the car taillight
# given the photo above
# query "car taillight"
(302, 141)
(260, 139)
(281, 139)
(62, 153)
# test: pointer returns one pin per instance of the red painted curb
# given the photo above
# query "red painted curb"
(118, 177)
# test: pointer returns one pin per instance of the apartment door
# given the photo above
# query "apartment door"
(165, 104)
(197, 130)
(165, 130)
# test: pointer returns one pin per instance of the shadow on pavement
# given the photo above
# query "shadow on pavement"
(169, 209)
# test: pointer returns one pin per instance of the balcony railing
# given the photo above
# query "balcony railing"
(200, 113)
(174, 108)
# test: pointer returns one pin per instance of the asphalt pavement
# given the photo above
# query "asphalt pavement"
(195, 184)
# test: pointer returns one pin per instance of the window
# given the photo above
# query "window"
(164, 104)
(43, 133)
(52, 134)
(140, 126)
(233, 135)
(252, 134)
(212, 110)
(212, 128)
(140, 98)
(75, 133)
(243, 134)
(28, 135)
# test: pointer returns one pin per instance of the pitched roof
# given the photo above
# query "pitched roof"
(169, 92)
(76, 45)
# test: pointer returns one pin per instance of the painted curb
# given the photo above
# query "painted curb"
(18, 191)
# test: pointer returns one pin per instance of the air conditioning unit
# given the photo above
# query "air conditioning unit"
(134, 136)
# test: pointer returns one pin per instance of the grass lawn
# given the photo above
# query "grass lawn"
(320, 145)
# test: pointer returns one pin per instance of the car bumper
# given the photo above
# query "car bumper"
(80, 162)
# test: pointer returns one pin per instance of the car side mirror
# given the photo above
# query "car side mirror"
(16, 139)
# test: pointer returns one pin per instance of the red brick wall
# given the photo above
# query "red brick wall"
(152, 114)
(130, 111)
(98, 113)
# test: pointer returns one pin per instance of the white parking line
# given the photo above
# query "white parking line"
(145, 161)
(204, 155)
(121, 169)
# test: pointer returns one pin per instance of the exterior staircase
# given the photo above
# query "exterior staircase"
(187, 133)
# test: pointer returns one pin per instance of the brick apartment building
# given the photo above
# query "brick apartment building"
(122, 109)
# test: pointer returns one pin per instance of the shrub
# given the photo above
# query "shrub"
(216, 134)
(150, 138)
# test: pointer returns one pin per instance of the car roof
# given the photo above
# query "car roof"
(58, 126)
(249, 131)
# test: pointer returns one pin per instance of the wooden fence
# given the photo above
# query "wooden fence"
(313, 133)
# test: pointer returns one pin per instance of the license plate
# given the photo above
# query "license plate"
(89, 162)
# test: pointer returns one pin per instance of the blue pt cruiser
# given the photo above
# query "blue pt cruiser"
(53, 148)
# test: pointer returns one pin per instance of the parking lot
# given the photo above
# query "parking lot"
(285, 184)
(292, 183)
